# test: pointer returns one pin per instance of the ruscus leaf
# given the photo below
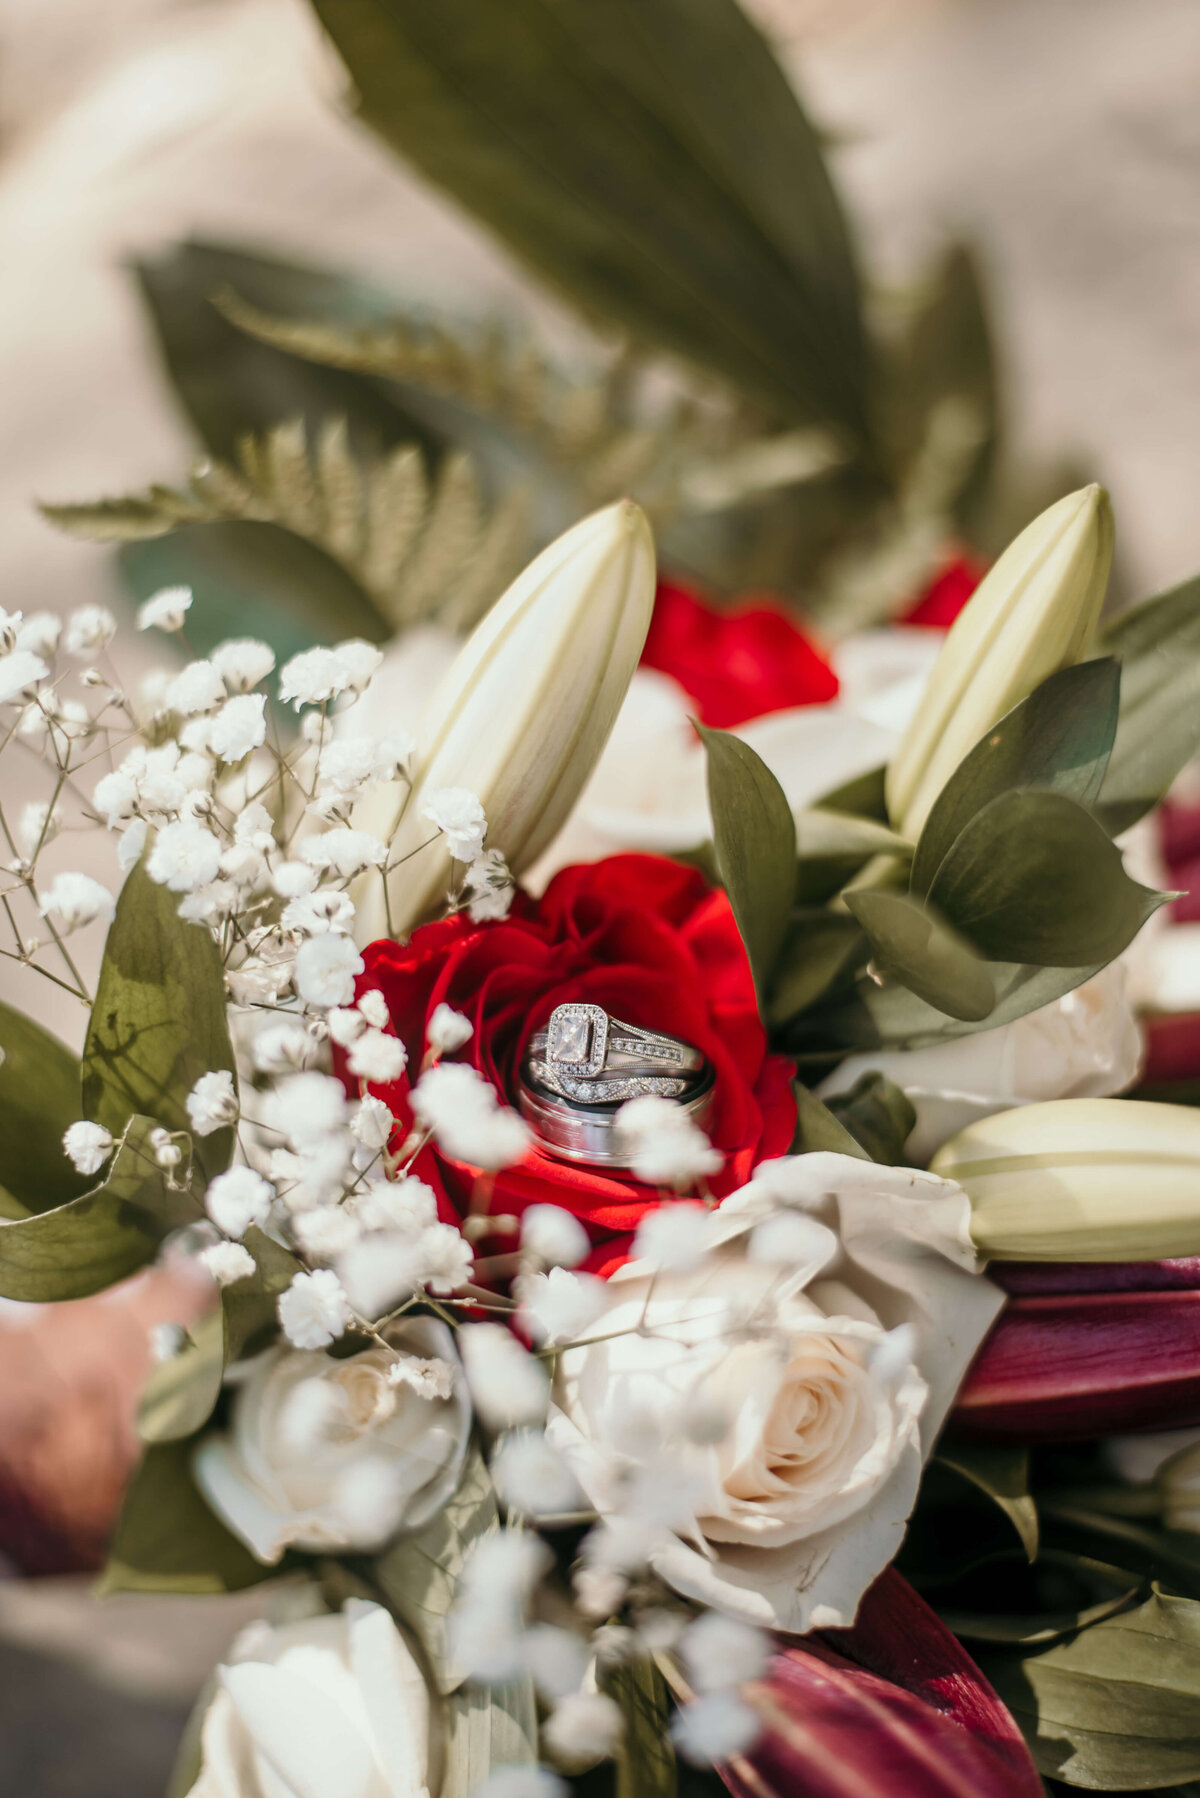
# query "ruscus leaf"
(923, 952)
(167, 1539)
(1001, 1470)
(39, 1098)
(1158, 730)
(754, 835)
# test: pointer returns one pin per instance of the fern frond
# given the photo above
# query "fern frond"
(420, 545)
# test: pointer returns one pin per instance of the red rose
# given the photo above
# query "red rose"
(947, 594)
(650, 941)
(737, 664)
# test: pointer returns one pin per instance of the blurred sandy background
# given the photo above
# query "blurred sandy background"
(1062, 135)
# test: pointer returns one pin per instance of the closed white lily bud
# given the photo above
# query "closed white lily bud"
(521, 715)
(1033, 613)
(1081, 1180)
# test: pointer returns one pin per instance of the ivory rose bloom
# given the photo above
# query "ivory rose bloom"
(326, 1454)
(328, 1705)
(766, 1426)
(1085, 1045)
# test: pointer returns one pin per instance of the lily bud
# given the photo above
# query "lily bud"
(1032, 614)
(1081, 1180)
(521, 715)
(893, 1708)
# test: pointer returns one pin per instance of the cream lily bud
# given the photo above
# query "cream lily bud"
(1033, 613)
(521, 715)
(1081, 1180)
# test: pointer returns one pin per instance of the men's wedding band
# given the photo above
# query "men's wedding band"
(573, 1131)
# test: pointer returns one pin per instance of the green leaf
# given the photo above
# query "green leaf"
(1058, 738)
(649, 157)
(181, 1393)
(818, 1130)
(1002, 1472)
(39, 1097)
(889, 1016)
(646, 1757)
(1038, 1629)
(420, 1573)
(915, 946)
(878, 1114)
(167, 1539)
(819, 949)
(487, 1727)
(1034, 878)
(1116, 1705)
(1158, 731)
(823, 834)
(98, 1239)
(159, 1019)
(754, 836)
(865, 795)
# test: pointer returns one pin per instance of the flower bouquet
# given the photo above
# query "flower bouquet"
(681, 1308)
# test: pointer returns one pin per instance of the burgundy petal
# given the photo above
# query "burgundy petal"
(1079, 1364)
(1037, 1279)
(1172, 1047)
(893, 1708)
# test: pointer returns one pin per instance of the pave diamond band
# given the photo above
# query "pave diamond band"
(579, 1071)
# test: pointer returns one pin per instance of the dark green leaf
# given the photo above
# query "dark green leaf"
(1116, 1705)
(96, 1240)
(1002, 1472)
(1058, 738)
(819, 949)
(755, 840)
(646, 1757)
(1034, 878)
(159, 1018)
(1038, 1629)
(39, 1097)
(1158, 733)
(649, 157)
(180, 1395)
(865, 796)
(818, 1130)
(167, 1539)
(915, 946)
(878, 1115)
(824, 834)
(889, 1016)
(420, 1573)
(1172, 1556)
(253, 580)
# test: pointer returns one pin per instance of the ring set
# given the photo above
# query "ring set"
(580, 1070)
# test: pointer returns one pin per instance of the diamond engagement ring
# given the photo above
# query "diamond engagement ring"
(580, 1070)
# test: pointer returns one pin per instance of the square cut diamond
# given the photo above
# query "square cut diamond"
(577, 1038)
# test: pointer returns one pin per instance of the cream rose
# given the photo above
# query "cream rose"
(1086, 1045)
(326, 1454)
(758, 1425)
(328, 1705)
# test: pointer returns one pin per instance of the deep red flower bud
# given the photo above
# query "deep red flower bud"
(893, 1708)
(736, 664)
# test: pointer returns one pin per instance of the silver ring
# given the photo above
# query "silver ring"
(583, 1042)
(577, 1132)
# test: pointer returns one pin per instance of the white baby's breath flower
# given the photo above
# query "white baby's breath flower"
(346, 1024)
(447, 1029)
(489, 888)
(326, 1231)
(714, 1727)
(237, 1199)
(165, 610)
(317, 914)
(360, 661)
(283, 1049)
(89, 630)
(242, 662)
(552, 1236)
(458, 814)
(532, 1478)
(196, 688)
(318, 675)
(408, 1206)
(239, 727)
(344, 850)
(20, 671)
(444, 1259)
(314, 1311)
(307, 1108)
(77, 900)
(673, 1238)
(558, 1306)
(510, 1388)
(212, 1103)
(461, 1109)
(371, 1125)
(133, 841)
(326, 967)
(207, 904)
(377, 1057)
(665, 1148)
(583, 1728)
(380, 1270)
(88, 1146)
(429, 1377)
(37, 826)
(292, 879)
(184, 856)
(227, 1263)
(723, 1651)
(39, 633)
(349, 764)
(374, 1007)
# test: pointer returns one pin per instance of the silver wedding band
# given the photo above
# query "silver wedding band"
(580, 1070)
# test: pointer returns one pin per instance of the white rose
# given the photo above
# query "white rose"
(791, 1331)
(1086, 1045)
(327, 1705)
(325, 1454)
